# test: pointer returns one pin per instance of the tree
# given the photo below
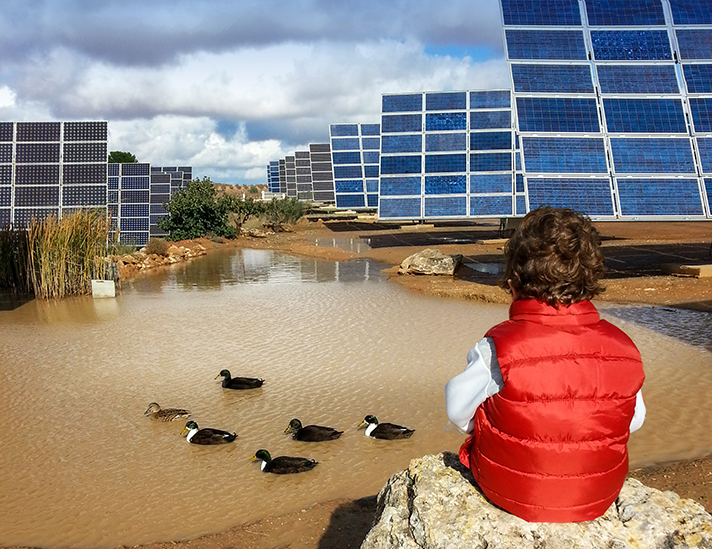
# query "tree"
(283, 210)
(242, 209)
(198, 211)
(120, 157)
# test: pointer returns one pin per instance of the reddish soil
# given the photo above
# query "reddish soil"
(635, 251)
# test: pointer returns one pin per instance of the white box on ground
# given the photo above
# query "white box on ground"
(103, 288)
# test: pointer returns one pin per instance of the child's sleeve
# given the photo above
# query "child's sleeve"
(639, 414)
(481, 379)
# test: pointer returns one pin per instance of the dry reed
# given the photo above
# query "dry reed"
(63, 255)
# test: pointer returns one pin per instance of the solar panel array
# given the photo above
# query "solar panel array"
(448, 155)
(613, 101)
(129, 188)
(302, 162)
(273, 176)
(51, 168)
(322, 172)
(355, 151)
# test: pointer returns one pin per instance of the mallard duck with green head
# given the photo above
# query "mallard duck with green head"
(311, 433)
(165, 414)
(207, 435)
(282, 465)
(386, 431)
(239, 383)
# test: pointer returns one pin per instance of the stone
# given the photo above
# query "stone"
(436, 504)
(430, 262)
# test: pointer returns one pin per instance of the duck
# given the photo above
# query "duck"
(311, 433)
(283, 465)
(386, 431)
(239, 383)
(197, 435)
(165, 414)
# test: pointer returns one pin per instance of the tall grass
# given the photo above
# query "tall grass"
(64, 255)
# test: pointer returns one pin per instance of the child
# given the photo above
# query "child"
(550, 396)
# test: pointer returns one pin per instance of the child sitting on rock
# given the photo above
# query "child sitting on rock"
(550, 396)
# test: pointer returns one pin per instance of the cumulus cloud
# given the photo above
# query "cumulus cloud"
(229, 86)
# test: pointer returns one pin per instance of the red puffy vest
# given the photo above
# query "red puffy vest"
(551, 446)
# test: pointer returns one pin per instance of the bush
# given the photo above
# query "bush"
(284, 210)
(157, 246)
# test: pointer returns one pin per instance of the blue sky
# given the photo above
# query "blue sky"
(227, 86)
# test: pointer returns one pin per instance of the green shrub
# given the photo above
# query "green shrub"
(283, 210)
(157, 246)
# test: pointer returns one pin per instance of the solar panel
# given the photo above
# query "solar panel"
(552, 78)
(541, 12)
(354, 161)
(624, 13)
(623, 79)
(554, 45)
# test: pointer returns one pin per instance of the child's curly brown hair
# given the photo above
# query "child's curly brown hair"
(554, 256)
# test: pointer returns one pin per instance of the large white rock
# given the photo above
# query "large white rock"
(430, 262)
(435, 504)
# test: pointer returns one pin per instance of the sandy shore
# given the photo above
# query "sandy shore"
(343, 523)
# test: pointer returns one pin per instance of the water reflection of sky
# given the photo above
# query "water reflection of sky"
(692, 327)
(232, 267)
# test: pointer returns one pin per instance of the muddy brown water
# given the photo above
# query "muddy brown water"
(82, 467)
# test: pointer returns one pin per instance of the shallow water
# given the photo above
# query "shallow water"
(82, 466)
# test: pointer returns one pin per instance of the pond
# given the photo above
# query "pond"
(83, 467)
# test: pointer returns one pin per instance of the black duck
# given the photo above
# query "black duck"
(283, 465)
(165, 414)
(311, 433)
(386, 431)
(206, 436)
(239, 383)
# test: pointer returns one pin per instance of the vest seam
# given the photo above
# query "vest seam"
(562, 508)
(550, 476)
(557, 358)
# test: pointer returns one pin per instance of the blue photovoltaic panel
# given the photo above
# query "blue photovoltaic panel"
(371, 157)
(645, 116)
(370, 171)
(394, 165)
(445, 163)
(490, 206)
(402, 208)
(557, 114)
(495, 99)
(490, 141)
(657, 155)
(541, 12)
(371, 143)
(445, 142)
(624, 13)
(552, 78)
(592, 196)
(708, 187)
(566, 45)
(701, 113)
(350, 201)
(519, 182)
(491, 183)
(347, 172)
(521, 205)
(659, 197)
(704, 146)
(348, 185)
(344, 130)
(402, 103)
(698, 78)
(401, 143)
(370, 129)
(400, 186)
(136, 169)
(447, 101)
(352, 157)
(446, 206)
(445, 121)
(493, 162)
(564, 155)
(372, 200)
(397, 123)
(446, 184)
(638, 79)
(489, 120)
(695, 43)
(372, 185)
(345, 144)
(691, 12)
(631, 45)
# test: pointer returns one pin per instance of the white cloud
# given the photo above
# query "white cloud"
(7, 97)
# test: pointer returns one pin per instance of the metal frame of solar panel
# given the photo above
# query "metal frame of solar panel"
(322, 172)
(51, 168)
(613, 104)
(447, 155)
(355, 152)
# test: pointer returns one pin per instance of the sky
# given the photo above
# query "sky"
(225, 86)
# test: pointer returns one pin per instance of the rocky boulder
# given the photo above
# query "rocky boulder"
(436, 504)
(430, 262)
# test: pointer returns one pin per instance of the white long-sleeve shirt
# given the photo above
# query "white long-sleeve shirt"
(482, 378)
